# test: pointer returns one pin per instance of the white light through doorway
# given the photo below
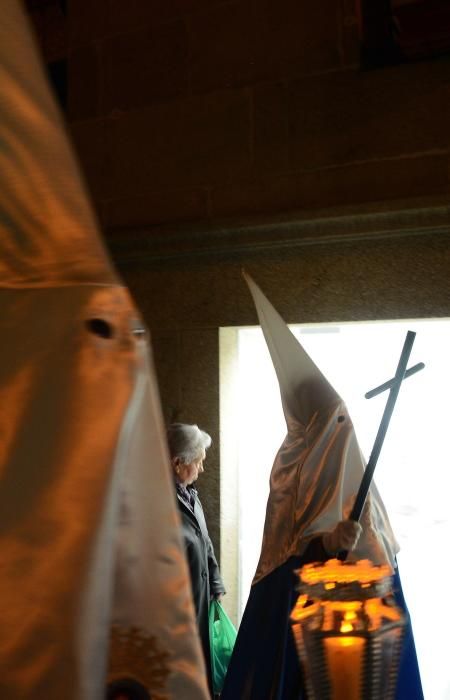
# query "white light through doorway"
(412, 473)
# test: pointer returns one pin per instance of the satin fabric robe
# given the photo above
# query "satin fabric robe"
(94, 583)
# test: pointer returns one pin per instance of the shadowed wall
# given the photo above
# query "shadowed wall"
(216, 134)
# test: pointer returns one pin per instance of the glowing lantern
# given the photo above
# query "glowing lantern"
(348, 631)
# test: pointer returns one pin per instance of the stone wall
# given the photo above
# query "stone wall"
(205, 110)
(222, 133)
(186, 298)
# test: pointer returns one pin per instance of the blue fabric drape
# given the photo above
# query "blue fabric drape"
(265, 666)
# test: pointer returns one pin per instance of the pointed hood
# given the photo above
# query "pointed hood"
(304, 389)
(318, 469)
(48, 232)
(92, 558)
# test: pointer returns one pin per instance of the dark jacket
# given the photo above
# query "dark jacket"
(206, 580)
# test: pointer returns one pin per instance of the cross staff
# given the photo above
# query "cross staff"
(394, 387)
(389, 384)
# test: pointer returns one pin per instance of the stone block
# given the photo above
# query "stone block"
(83, 82)
(89, 140)
(198, 380)
(377, 181)
(357, 183)
(199, 388)
(166, 347)
(295, 38)
(270, 128)
(143, 67)
(137, 14)
(182, 143)
(165, 206)
(86, 20)
(191, 293)
(186, 365)
(221, 46)
(353, 116)
(350, 39)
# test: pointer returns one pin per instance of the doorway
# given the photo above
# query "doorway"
(413, 472)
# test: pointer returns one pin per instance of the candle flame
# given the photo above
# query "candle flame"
(346, 627)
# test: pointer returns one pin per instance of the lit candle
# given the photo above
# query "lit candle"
(344, 656)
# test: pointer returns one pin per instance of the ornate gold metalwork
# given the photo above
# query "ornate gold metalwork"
(134, 654)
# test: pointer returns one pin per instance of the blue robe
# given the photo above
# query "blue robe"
(265, 665)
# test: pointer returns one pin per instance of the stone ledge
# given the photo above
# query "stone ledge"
(228, 239)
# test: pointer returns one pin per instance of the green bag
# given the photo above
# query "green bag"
(222, 635)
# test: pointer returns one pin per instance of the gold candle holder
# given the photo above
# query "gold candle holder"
(348, 631)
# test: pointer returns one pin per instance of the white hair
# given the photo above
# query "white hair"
(187, 442)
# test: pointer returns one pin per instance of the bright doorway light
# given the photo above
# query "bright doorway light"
(413, 472)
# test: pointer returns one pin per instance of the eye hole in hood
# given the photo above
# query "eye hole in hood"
(100, 327)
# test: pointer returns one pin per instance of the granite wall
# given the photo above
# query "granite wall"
(222, 133)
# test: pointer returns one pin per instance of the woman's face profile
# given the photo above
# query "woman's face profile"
(186, 474)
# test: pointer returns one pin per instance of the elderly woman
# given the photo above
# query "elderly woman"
(187, 447)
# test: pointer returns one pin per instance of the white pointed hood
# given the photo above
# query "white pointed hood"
(92, 560)
(48, 233)
(319, 466)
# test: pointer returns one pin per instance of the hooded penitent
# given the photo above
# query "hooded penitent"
(315, 476)
(319, 466)
(89, 532)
